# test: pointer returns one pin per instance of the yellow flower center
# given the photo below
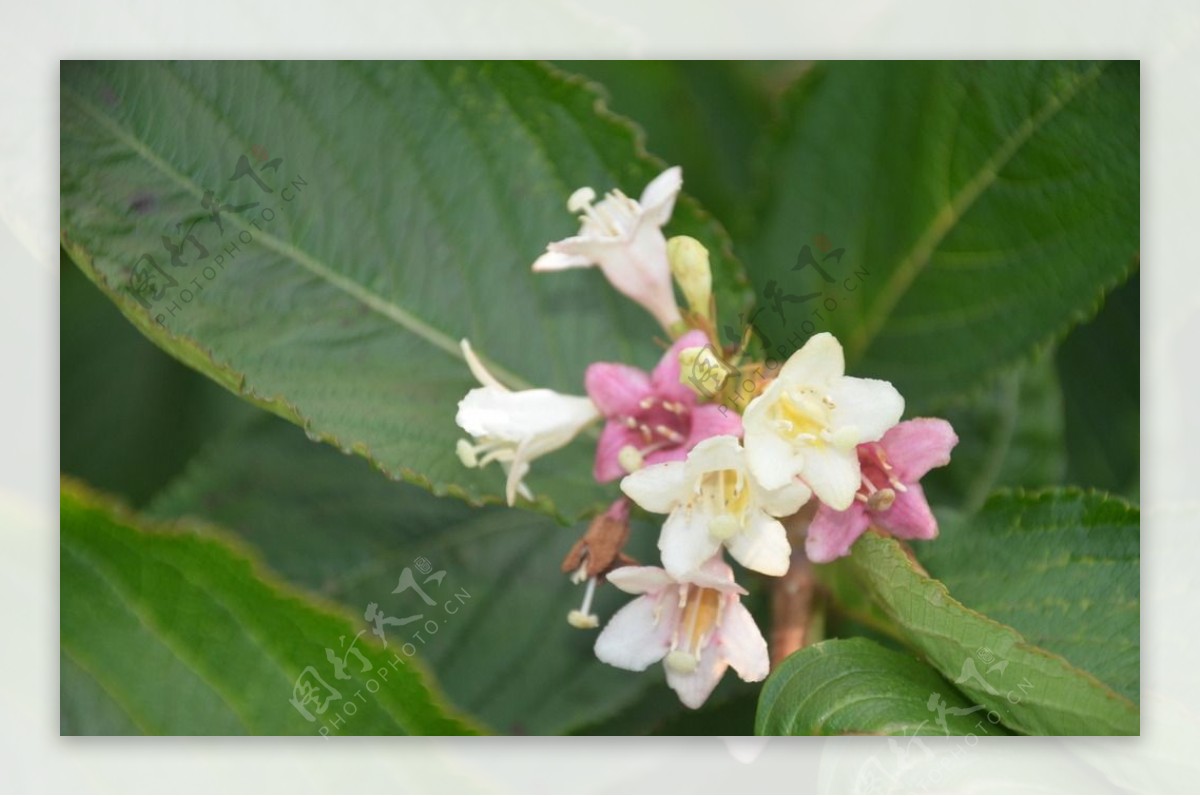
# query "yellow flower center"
(701, 612)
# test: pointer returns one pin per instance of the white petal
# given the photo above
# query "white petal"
(871, 405)
(770, 458)
(658, 200)
(685, 542)
(636, 580)
(832, 474)
(742, 644)
(632, 639)
(694, 687)
(785, 501)
(514, 485)
(762, 547)
(716, 574)
(722, 452)
(657, 488)
(559, 261)
(818, 362)
(477, 369)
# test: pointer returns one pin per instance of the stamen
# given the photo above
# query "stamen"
(670, 434)
(631, 422)
(581, 200)
(648, 402)
(582, 619)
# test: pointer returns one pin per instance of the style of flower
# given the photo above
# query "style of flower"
(651, 417)
(889, 496)
(809, 421)
(712, 499)
(624, 237)
(696, 626)
(515, 427)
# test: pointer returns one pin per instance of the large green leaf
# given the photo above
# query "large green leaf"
(1061, 567)
(1100, 368)
(399, 207)
(1010, 435)
(983, 209)
(710, 115)
(173, 630)
(856, 687)
(1034, 690)
(328, 523)
(130, 417)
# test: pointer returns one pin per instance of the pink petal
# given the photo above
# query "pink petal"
(694, 688)
(915, 447)
(665, 378)
(635, 637)
(712, 420)
(742, 644)
(614, 437)
(615, 388)
(909, 516)
(675, 453)
(833, 533)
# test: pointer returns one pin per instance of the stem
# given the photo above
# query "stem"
(796, 619)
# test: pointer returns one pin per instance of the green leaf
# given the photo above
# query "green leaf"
(856, 687)
(974, 230)
(1035, 690)
(131, 418)
(1061, 567)
(327, 523)
(1010, 435)
(709, 115)
(406, 204)
(173, 630)
(1099, 365)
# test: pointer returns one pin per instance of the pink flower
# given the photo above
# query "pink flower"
(697, 626)
(651, 417)
(889, 496)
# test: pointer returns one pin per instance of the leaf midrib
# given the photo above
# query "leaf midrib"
(948, 216)
(355, 290)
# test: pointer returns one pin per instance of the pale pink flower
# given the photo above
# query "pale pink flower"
(651, 416)
(889, 496)
(624, 237)
(696, 626)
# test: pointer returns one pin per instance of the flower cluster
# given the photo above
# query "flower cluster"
(723, 480)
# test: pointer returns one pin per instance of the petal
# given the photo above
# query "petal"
(632, 639)
(616, 388)
(833, 533)
(763, 546)
(665, 378)
(712, 420)
(870, 405)
(657, 488)
(742, 644)
(615, 436)
(636, 580)
(658, 199)
(916, 446)
(477, 369)
(716, 574)
(785, 501)
(770, 458)
(559, 261)
(722, 452)
(832, 474)
(686, 543)
(694, 688)
(517, 471)
(819, 362)
(909, 516)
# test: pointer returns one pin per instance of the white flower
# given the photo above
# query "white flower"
(696, 626)
(808, 422)
(514, 428)
(625, 239)
(713, 499)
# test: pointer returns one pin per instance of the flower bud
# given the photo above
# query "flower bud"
(689, 266)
